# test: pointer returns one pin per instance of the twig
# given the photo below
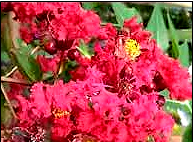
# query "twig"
(8, 101)
(12, 71)
(35, 50)
(12, 80)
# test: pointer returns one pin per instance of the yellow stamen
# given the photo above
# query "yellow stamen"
(59, 113)
(132, 48)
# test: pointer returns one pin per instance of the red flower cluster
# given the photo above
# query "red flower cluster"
(64, 21)
(86, 107)
(113, 96)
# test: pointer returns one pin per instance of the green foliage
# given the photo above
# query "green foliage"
(156, 25)
(122, 12)
(184, 54)
(6, 64)
(177, 106)
(164, 93)
(187, 136)
(65, 75)
(27, 63)
(174, 38)
(89, 5)
(84, 49)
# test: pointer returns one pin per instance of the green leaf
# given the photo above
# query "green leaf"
(178, 106)
(89, 5)
(122, 12)
(164, 93)
(65, 75)
(27, 63)
(23, 46)
(6, 64)
(184, 54)
(187, 136)
(84, 49)
(175, 105)
(157, 26)
(174, 37)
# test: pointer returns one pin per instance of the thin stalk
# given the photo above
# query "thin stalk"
(8, 101)
(12, 71)
(12, 80)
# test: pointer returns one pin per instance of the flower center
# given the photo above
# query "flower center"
(59, 113)
(132, 48)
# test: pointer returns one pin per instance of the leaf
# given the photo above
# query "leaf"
(184, 118)
(122, 12)
(174, 37)
(6, 64)
(65, 75)
(178, 106)
(84, 49)
(164, 93)
(184, 54)
(23, 46)
(187, 136)
(27, 63)
(89, 5)
(157, 26)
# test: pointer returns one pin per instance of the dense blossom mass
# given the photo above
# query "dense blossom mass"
(113, 95)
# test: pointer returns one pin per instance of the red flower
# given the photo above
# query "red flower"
(48, 64)
(66, 26)
(176, 78)
(143, 118)
(133, 25)
(26, 34)
(114, 95)
(62, 21)
(106, 39)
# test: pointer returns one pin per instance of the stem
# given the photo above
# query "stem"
(35, 50)
(12, 71)
(116, 25)
(61, 68)
(175, 101)
(12, 80)
(8, 101)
